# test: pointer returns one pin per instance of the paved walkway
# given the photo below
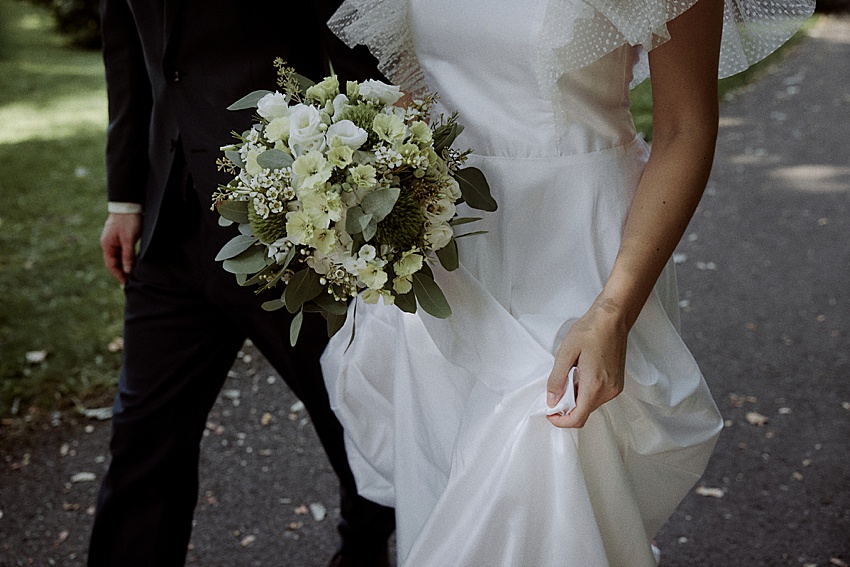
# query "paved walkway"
(764, 278)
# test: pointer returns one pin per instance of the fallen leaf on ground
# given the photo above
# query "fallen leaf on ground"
(712, 492)
(248, 540)
(796, 476)
(755, 418)
(294, 525)
(63, 535)
(302, 510)
(116, 344)
(838, 562)
(266, 419)
(319, 511)
(84, 477)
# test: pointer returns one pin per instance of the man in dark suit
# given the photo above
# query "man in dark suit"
(172, 68)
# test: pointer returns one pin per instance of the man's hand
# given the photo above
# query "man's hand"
(118, 240)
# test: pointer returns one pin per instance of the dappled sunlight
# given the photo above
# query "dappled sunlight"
(60, 118)
(63, 69)
(814, 178)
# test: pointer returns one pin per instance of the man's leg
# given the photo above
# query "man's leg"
(178, 350)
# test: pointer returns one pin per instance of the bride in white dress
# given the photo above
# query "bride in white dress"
(446, 420)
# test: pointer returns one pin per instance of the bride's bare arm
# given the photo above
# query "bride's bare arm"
(685, 116)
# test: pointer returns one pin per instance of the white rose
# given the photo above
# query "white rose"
(379, 92)
(440, 210)
(340, 103)
(438, 234)
(452, 188)
(273, 105)
(348, 133)
(305, 130)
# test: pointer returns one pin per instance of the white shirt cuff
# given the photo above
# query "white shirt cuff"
(124, 208)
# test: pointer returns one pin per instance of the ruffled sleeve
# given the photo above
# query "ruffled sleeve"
(384, 27)
(576, 33)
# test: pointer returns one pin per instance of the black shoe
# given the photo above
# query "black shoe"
(341, 560)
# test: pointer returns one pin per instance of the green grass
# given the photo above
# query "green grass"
(55, 295)
(641, 96)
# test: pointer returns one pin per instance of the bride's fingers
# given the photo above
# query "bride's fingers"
(555, 386)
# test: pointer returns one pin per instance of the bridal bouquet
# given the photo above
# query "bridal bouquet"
(339, 194)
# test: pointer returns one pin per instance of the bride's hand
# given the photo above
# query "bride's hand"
(596, 344)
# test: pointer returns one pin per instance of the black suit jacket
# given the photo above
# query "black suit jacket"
(173, 67)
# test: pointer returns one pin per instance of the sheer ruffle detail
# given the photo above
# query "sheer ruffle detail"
(384, 27)
(576, 33)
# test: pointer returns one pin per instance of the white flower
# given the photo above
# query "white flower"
(422, 134)
(372, 295)
(340, 156)
(367, 252)
(348, 133)
(372, 276)
(438, 234)
(305, 130)
(408, 264)
(340, 103)
(278, 129)
(251, 165)
(389, 127)
(364, 175)
(273, 105)
(440, 210)
(402, 284)
(310, 171)
(379, 92)
(452, 188)
(323, 91)
(324, 240)
(299, 227)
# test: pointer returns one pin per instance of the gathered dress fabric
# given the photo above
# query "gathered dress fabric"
(446, 419)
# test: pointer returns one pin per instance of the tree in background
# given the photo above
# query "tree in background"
(77, 19)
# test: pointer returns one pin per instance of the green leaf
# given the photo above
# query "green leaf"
(246, 230)
(303, 82)
(370, 230)
(406, 302)
(445, 135)
(356, 220)
(273, 305)
(234, 247)
(302, 287)
(463, 220)
(248, 101)
(242, 279)
(248, 262)
(335, 323)
(289, 257)
(330, 305)
(477, 232)
(274, 159)
(448, 256)
(236, 211)
(234, 156)
(295, 328)
(380, 203)
(430, 296)
(224, 222)
(475, 189)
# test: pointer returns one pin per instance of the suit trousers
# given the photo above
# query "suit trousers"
(185, 320)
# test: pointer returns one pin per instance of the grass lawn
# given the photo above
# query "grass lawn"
(59, 309)
(56, 299)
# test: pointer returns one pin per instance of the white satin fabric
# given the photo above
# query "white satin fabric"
(445, 419)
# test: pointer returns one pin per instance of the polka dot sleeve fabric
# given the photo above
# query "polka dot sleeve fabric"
(576, 33)
(383, 26)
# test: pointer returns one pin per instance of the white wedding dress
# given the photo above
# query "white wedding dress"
(445, 419)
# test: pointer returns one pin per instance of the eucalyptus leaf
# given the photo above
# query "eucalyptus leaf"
(273, 305)
(448, 256)
(303, 82)
(274, 159)
(406, 302)
(224, 222)
(335, 323)
(242, 279)
(246, 230)
(463, 220)
(302, 287)
(356, 220)
(234, 156)
(235, 246)
(248, 101)
(330, 305)
(445, 135)
(236, 211)
(248, 262)
(380, 203)
(370, 230)
(475, 189)
(430, 296)
(289, 257)
(295, 328)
